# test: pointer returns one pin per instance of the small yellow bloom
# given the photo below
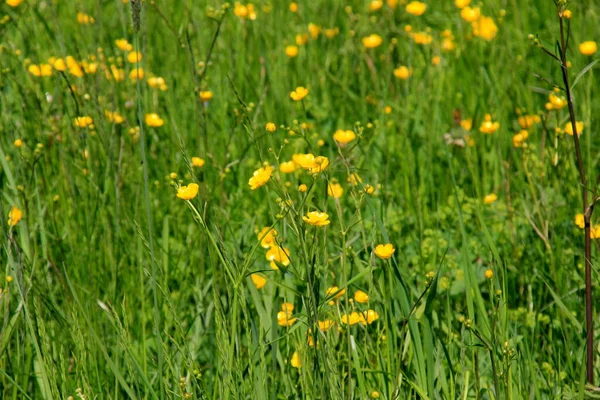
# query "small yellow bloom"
(466, 124)
(334, 292)
(283, 319)
(287, 167)
(369, 189)
(567, 14)
(462, 3)
(490, 198)
(58, 64)
(18, 143)
(134, 57)
(569, 128)
(485, 28)
(114, 117)
(354, 179)
(375, 394)
(123, 44)
(527, 121)
(270, 127)
(279, 255)
(260, 177)
(384, 251)
(136, 73)
(301, 39)
(83, 122)
(316, 218)
(267, 237)
(580, 221)
(294, 7)
(302, 188)
(353, 318)
(84, 19)
(13, 3)
(470, 14)
(489, 274)
(403, 72)
(14, 216)
(296, 361)
(326, 325)
(344, 136)
(314, 30)
(519, 138)
(335, 190)
(488, 126)
(154, 120)
(595, 232)
(436, 60)
(556, 102)
(416, 8)
(371, 316)
(588, 48)
(372, 41)
(291, 51)
(361, 297)
(320, 164)
(375, 5)
(258, 280)
(188, 192)
(40, 70)
(206, 95)
(298, 94)
(197, 162)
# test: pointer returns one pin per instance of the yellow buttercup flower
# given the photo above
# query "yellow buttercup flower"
(354, 179)
(375, 5)
(361, 297)
(284, 317)
(134, 57)
(353, 318)
(156, 82)
(287, 167)
(154, 120)
(372, 41)
(267, 237)
(403, 72)
(519, 138)
(136, 73)
(258, 280)
(58, 63)
(490, 198)
(296, 361)
(260, 177)
(197, 162)
(595, 232)
(470, 14)
(588, 48)
(580, 221)
(301, 39)
(384, 251)
(344, 136)
(83, 122)
(300, 93)
(302, 188)
(294, 7)
(416, 8)
(18, 143)
(320, 164)
(462, 3)
(13, 3)
(488, 126)
(569, 128)
(335, 190)
(114, 117)
(188, 192)
(371, 316)
(527, 121)
(489, 274)
(334, 292)
(316, 218)
(14, 216)
(314, 30)
(291, 51)
(466, 124)
(123, 44)
(206, 95)
(279, 255)
(485, 28)
(326, 325)
(270, 127)
(84, 19)
(40, 70)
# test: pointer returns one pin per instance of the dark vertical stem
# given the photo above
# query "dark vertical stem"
(587, 211)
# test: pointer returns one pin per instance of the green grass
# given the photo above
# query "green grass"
(116, 288)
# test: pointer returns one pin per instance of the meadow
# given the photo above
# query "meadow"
(318, 199)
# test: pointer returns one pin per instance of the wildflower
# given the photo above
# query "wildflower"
(485, 28)
(466, 124)
(58, 63)
(490, 198)
(156, 82)
(316, 218)
(260, 177)
(305, 161)
(296, 362)
(344, 136)
(588, 48)
(319, 165)
(314, 30)
(335, 190)
(14, 216)
(18, 143)
(372, 41)
(332, 32)
(580, 221)
(422, 38)
(287, 167)
(595, 232)
(301, 39)
(353, 318)
(258, 280)
(369, 189)
(284, 317)
(354, 179)
(519, 138)
(270, 127)
(375, 394)
(279, 255)
(136, 73)
(13, 3)
(326, 325)
(187, 192)
(489, 274)
(384, 251)
(206, 95)
(334, 292)
(556, 102)
(40, 70)
(298, 94)
(117, 73)
(294, 7)
(134, 57)
(84, 19)
(197, 162)
(123, 44)
(462, 3)
(436, 60)
(488, 126)
(416, 8)
(83, 122)
(302, 188)
(361, 297)
(569, 128)
(371, 316)
(267, 237)
(448, 44)
(154, 120)
(114, 117)
(470, 14)
(527, 121)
